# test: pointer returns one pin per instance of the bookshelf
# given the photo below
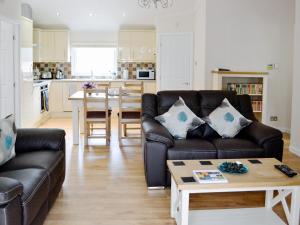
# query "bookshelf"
(252, 83)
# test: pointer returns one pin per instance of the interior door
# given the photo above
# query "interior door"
(175, 63)
(7, 90)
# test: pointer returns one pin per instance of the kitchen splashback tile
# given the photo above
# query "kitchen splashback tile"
(133, 67)
(46, 66)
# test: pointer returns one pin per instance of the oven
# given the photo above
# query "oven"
(44, 98)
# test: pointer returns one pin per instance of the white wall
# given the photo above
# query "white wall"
(295, 130)
(247, 35)
(10, 9)
(200, 46)
(184, 22)
(94, 37)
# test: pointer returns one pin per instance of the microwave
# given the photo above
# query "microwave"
(145, 75)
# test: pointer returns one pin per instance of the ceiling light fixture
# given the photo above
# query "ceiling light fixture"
(91, 14)
(57, 13)
(147, 3)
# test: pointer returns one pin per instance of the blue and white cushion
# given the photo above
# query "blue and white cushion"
(8, 136)
(226, 120)
(179, 120)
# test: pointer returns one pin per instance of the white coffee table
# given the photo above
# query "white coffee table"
(261, 177)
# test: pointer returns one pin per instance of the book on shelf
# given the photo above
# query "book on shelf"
(245, 88)
(209, 176)
(257, 106)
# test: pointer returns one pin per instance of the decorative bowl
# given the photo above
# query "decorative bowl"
(233, 168)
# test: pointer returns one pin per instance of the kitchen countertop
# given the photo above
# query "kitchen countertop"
(39, 83)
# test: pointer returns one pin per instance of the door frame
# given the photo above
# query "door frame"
(16, 64)
(158, 48)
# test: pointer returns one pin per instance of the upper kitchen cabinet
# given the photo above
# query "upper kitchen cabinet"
(137, 46)
(51, 45)
(26, 32)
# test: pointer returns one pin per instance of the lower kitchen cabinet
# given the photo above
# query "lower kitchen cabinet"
(60, 91)
(32, 115)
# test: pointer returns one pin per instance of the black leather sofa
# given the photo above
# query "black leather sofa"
(257, 140)
(30, 182)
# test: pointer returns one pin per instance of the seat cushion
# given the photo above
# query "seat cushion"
(35, 190)
(97, 114)
(52, 161)
(237, 148)
(192, 149)
(130, 115)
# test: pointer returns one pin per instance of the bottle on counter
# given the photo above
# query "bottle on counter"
(125, 74)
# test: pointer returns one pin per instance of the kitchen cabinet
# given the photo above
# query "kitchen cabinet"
(55, 97)
(31, 104)
(137, 46)
(150, 87)
(68, 90)
(26, 33)
(51, 45)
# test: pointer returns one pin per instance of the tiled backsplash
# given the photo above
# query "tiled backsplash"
(133, 67)
(48, 67)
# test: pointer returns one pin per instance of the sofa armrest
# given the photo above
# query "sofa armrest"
(261, 133)
(9, 190)
(154, 131)
(29, 140)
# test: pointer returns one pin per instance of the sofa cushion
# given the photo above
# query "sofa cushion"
(35, 190)
(226, 120)
(165, 100)
(237, 148)
(192, 149)
(179, 119)
(52, 161)
(8, 134)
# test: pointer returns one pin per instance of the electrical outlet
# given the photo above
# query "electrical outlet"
(274, 118)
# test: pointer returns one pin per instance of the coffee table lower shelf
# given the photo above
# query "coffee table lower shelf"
(246, 216)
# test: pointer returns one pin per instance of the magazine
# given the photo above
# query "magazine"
(209, 176)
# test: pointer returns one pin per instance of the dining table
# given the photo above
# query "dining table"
(77, 105)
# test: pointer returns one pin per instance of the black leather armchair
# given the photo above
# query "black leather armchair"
(255, 141)
(30, 182)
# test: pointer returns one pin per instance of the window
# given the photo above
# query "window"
(94, 61)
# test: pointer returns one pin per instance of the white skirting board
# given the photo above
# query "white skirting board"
(294, 150)
(246, 216)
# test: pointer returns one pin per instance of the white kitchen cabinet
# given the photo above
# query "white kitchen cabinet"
(31, 113)
(55, 97)
(51, 45)
(68, 90)
(26, 33)
(36, 44)
(150, 87)
(137, 46)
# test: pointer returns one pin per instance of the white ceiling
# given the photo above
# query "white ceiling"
(108, 15)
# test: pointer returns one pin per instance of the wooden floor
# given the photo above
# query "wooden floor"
(106, 186)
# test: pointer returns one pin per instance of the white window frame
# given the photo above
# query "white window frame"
(92, 45)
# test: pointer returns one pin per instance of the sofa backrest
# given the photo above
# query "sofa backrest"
(165, 99)
(202, 103)
(210, 100)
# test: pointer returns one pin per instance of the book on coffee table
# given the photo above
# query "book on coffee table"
(209, 176)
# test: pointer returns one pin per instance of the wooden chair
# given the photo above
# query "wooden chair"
(130, 99)
(96, 111)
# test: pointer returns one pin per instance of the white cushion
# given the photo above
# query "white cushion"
(226, 120)
(179, 119)
(8, 136)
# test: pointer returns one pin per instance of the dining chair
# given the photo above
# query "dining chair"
(130, 99)
(96, 111)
